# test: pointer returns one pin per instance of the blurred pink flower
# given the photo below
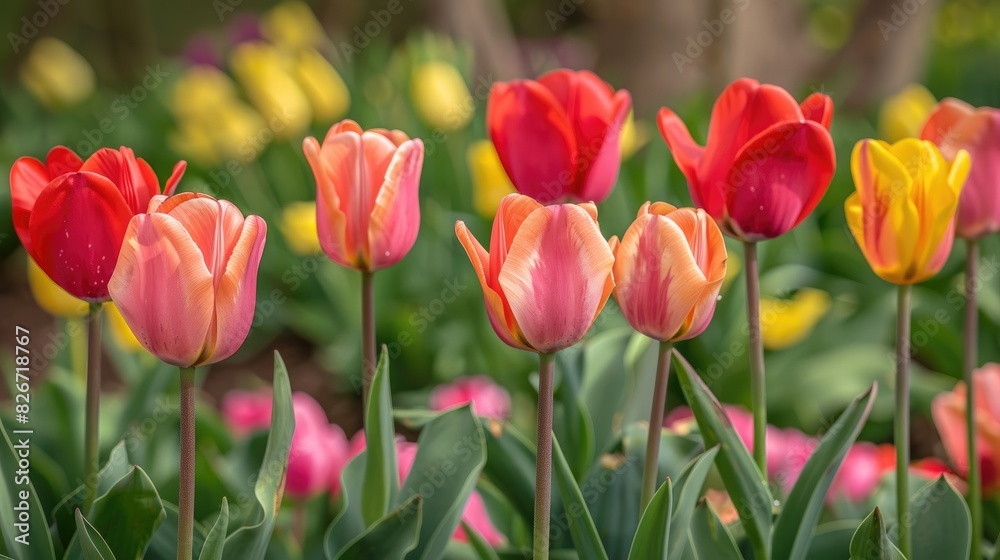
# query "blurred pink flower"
(863, 467)
(487, 398)
(949, 416)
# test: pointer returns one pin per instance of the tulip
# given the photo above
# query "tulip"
(120, 331)
(949, 410)
(786, 323)
(489, 180)
(50, 297)
(298, 226)
(559, 137)
(766, 164)
(862, 471)
(440, 96)
(56, 75)
(272, 89)
(902, 115)
(292, 25)
(488, 399)
(633, 136)
(327, 93)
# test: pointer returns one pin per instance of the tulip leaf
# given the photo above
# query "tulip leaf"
(17, 495)
(572, 422)
(380, 483)
(250, 541)
(740, 474)
(581, 525)
(685, 497)
(389, 538)
(479, 545)
(832, 540)
(92, 543)
(941, 523)
(163, 545)
(709, 536)
(451, 452)
(64, 513)
(871, 542)
(215, 542)
(601, 386)
(348, 523)
(797, 521)
(652, 538)
(511, 466)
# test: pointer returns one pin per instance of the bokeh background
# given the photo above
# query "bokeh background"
(233, 86)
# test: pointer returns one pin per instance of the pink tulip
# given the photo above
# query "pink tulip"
(367, 210)
(955, 125)
(862, 471)
(487, 398)
(949, 416)
(186, 278)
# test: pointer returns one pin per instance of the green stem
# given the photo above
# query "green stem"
(185, 523)
(651, 468)
(367, 335)
(758, 385)
(902, 427)
(91, 438)
(77, 328)
(543, 460)
(969, 363)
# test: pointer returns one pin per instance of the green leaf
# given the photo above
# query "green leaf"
(511, 466)
(602, 387)
(389, 538)
(941, 524)
(871, 542)
(17, 495)
(64, 513)
(163, 545)
(479, 545)
(572, 423)
(581, 524)
(685, 499)
(348, 523)
(797, 521)
(832, 540)
(127, 516)
(381, 474)
(710, 539)
(742, 478)
(93, 545)
(250, 541)
(451, 452)
(215, 543)
(652, 538)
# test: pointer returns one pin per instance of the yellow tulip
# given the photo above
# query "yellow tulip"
(56, 75)
(440, 96)
(785, 323)
(120, 331)
(902, 213)
(293, 25)
(489, 180)
(903, 115)
(201, 90)
(272, 89)
(50, 297)
(328, 94)
(298, 226)
(634, 135)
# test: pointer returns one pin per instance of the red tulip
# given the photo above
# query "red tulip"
(186, 279)
(71, 215)
(766, 164)
(558, 137)
(955, 125)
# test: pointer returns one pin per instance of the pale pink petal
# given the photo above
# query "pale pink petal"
(395, 219)
(235, 299)
(477, 517)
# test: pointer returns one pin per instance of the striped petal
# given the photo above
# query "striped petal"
(395, 219)
(331, 221)
(236, 293)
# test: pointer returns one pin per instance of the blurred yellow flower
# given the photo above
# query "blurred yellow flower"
(298, 226)
(326, 90)
(440, 96)
(272, 89)
(634, 135)
(120, 331)
(293, 25)
(903, 115)
(489, 180)
(201, 90)
(56, 75)
(50, 297)
(785, 323)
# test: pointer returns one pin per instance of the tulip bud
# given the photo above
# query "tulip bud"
(56, 75)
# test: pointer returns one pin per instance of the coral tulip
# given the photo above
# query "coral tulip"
(669, 269)
(71, 215)
(949, 416)
(955, 125)
(902, 212)
(367, 211)
(186, 278)
(488, 399)
(767, 161)
(559, 137)
(547, 274)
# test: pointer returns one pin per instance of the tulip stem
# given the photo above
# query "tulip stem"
(969, 363)
(91, 438)
(902, 427)
(543, 460)
(758, 385)
(185, 523)
(367, 335)
(651, 468)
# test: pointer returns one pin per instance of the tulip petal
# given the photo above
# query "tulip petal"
(940, 125)
(76, 228)
(819, 108)
(236, 291)
(125, 171)
(534, 139)
(175, 177)
(61, 159)
(395, 219)
(688, 155)
(28, 177)
(555, 276)
(513, 210)
(159, 257)
(778, 178)
(605, 164)
(214, 226)
(331, 221)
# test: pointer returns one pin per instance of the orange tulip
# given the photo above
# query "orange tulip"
(669, 268)
(547, 274)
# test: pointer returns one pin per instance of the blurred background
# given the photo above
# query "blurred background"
(233, 86)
